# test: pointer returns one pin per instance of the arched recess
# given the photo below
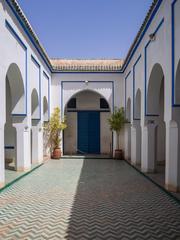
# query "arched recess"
(177, 85)
(155, 110)
(128, 110)
(45, 109)
(15, 109)
(137, 105)
(154, 86)
(89, 105)
(35, 106)
(16, 85)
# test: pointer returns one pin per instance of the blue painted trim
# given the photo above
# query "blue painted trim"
(174, 104)
(19, 115)
(36, 119)
(9, 147)
(145, 69)
(35, 61)
(152, 115)
(134, 85)
(21, 43)
(39, 67)
(49, 99)
(27, 33)
(88, 110)
(126, 77)
(8, 26)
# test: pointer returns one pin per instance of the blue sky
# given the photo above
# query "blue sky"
(86, 28)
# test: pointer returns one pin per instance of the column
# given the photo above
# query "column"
(148, 148)
(133, 145)
(172, 170)
(23, 147)
(128, 141)
(136, 143)
(37, 144)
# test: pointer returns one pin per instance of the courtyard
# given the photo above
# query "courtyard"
(87, 199)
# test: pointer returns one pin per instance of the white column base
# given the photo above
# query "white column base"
(22, 147)
(37, 145)
(172, 178)
(148, 148)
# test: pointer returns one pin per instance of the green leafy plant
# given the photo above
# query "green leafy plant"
(117, 122)
(54, 128)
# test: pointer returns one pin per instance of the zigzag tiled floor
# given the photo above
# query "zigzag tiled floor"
(87, 199)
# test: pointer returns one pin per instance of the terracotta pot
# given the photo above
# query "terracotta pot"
(118, 154)
(56, 154)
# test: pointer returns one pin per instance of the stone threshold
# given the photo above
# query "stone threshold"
(88, 156)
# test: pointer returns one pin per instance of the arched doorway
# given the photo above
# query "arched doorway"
(15, 109)
(155, 121)
(88, 132)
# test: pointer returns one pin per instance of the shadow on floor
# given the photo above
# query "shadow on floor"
(113, 201)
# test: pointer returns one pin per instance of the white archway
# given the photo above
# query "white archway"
(17, 89)
(84, 91)
(156, 131)
(153, 92)
(70, 90)
(15, 109)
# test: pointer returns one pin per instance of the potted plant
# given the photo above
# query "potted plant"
(54, 128)
(117, 122)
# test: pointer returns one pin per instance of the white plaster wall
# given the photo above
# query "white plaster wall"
(70, 134)
(100, 83)
(106, 134)
(34, 76)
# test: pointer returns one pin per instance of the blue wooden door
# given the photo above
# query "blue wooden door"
(89, 132)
